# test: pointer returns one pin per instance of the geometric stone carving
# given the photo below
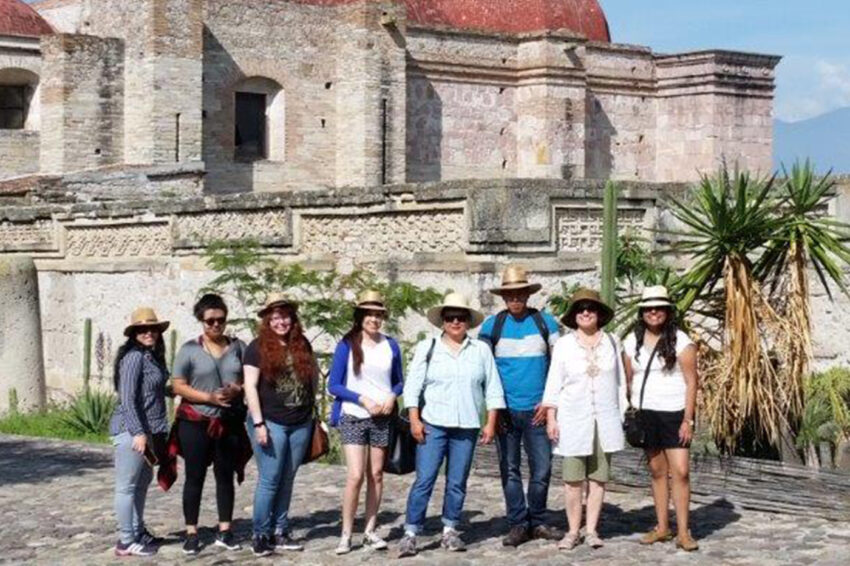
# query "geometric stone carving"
(35, 236)
(580, 229)
(271, 227)
(140, 240)
(386, 234)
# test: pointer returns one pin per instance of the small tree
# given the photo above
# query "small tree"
(246, 274)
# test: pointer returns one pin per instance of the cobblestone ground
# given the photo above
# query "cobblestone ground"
(56, 508)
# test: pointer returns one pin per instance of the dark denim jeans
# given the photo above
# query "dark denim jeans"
(538, 448)
(456, 446)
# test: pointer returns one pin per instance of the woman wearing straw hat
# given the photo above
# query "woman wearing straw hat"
(281, 378)
(138, 426)
(585, 396)
(452, 380)
(365, 379)
(661, 365)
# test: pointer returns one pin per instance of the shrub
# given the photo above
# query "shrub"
(90, 412)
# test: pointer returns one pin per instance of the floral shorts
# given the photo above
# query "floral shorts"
(374, 431)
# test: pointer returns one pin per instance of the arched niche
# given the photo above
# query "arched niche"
(19, 105)
(259, 120)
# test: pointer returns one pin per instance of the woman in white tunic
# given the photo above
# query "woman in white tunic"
(585, 397)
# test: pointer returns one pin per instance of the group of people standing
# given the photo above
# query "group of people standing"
(520, 384)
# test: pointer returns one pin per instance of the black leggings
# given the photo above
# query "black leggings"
(198, 449)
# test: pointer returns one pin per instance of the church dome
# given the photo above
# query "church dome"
(18, 18)
(507, 16)
(513, 16)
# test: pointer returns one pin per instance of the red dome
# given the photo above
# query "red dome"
(17, 18)
(513, 16)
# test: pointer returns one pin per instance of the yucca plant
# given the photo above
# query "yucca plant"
(728, 221)
(805, 237)
(826, 417)
(90, 412)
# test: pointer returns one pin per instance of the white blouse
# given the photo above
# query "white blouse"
(588, 387)
(665, 390)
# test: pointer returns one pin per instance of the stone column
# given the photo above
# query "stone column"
(21, 357)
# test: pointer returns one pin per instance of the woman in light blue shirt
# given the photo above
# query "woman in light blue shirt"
(452, 380)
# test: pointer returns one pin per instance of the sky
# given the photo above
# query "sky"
(813, 38)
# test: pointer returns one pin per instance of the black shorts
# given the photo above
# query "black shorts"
(662, 429)
(374, 431)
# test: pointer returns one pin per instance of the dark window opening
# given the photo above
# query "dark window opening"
(13, 107)
(251, 126)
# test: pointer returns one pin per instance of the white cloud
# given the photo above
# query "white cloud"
(808, 88)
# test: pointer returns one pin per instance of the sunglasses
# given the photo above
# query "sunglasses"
(451, 318)
(653, 309)
(586, 307)
(148, 330)
(219, 320)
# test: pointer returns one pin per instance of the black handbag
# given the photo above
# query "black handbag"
(401, 450)
(633, 424)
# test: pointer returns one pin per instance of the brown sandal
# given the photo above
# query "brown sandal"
(686, 542)
(654, 536)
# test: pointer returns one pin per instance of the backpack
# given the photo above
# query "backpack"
(499, 324)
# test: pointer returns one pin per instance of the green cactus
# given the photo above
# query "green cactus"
(609, 243)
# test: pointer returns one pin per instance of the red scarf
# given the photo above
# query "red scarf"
(216, 428)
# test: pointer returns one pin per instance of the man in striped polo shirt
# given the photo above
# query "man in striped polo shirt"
(521, 339)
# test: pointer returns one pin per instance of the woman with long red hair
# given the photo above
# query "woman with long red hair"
(280, 387)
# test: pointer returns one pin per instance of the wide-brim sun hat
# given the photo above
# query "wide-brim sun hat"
(275, 300)
(606, 313)
(655, 296)
(454, 301)
(514, 278)
(371, 300)
(145, 317)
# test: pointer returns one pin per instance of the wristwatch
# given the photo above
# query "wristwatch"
(691, 422)
(259, 424)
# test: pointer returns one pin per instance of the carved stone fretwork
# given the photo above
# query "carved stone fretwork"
(123, 240)
(580, 229)
(270, 227)
(23, 237)
(384, 235)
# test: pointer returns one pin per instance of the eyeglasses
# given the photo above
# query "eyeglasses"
(213, 321)
(653, 309)
(148, 330)
(375, 314)
(451, 318)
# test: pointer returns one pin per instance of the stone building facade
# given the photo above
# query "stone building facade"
(430, 140)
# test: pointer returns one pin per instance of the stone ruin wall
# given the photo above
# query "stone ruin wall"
(99, 260)
(20, 148)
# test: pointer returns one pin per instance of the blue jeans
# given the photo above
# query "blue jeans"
(277, 463)
(456, 445)
(538, 448)
(133, 476)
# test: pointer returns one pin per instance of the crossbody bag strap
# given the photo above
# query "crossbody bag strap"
(646, 375)
(616, 356)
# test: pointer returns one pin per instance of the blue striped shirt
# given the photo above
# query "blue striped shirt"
(141, 395)
(521, 358)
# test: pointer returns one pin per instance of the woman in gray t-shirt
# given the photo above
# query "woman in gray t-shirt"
(208, 376)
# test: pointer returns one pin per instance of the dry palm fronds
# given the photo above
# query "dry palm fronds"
(755, 377)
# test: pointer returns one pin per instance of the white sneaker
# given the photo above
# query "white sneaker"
(372, 540)
(344, 546)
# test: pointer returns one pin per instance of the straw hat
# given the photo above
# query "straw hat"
(583, 296)
(371, 300)
(656, 296)
(276, 300)
(143, 317)
(514, 278)
(454, 301)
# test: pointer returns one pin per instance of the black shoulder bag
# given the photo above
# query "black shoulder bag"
(401, 450)
(634, 425)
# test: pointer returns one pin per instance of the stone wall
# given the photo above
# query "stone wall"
(20, 64)
(20, 153)
(82, 102)
(100, 259)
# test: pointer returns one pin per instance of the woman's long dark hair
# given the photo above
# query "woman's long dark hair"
(666, 342)
(131, 344)
(273, 354)
(354, 337)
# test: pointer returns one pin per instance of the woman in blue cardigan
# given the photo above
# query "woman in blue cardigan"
(366, 379)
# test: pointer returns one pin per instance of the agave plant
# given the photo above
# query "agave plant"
(826, 417)
(90, 411)
(728, 222)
